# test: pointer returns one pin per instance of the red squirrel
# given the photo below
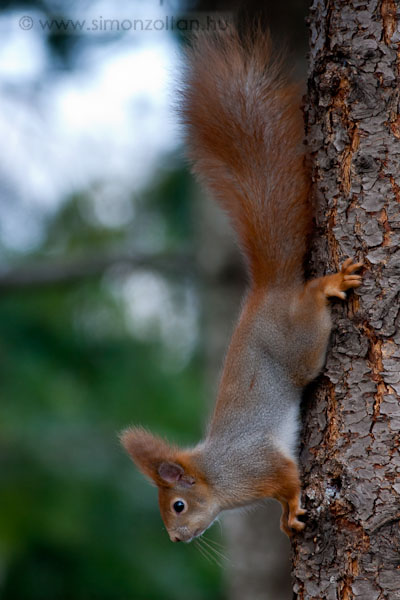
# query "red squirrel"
(244, 135)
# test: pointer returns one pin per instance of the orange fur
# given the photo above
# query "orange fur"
(244, 136)
(244, 131)
(284, 485)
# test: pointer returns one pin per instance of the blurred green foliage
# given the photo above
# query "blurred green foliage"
(76, 519)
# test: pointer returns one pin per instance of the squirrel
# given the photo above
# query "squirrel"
(245, 132)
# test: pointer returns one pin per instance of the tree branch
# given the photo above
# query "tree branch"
(68, 271)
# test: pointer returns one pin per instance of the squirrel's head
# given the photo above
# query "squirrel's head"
(187, 504)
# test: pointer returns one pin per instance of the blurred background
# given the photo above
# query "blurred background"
(119, 285)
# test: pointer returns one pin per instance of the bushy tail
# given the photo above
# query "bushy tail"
(244, 134)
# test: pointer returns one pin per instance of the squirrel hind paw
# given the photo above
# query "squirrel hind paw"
(338, 283)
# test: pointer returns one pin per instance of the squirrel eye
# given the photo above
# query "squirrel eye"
(179, 506)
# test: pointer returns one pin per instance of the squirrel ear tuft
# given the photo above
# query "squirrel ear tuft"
(146, 450)
(155, 458)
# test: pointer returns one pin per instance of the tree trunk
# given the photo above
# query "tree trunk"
(350, 455)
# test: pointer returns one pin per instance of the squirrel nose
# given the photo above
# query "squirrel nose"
(176, 539)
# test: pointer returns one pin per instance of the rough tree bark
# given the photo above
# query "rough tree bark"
(350, 457)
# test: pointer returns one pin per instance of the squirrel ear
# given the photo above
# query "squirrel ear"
(147, 451)
(170, 472)
(155, 458)
(173, 473)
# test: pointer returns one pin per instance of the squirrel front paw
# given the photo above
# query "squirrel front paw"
(339, 283)
(294, 522)
(289, 520)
